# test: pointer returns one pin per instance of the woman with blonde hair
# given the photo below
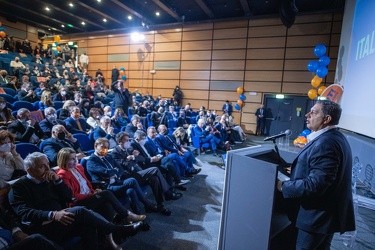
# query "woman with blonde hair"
(65, 110)
(45, 100)
(178, 137)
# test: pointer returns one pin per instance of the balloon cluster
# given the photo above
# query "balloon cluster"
(2, 31)
(122, 73)
(241, 99)
(320, 69)
(55, 46)
(301, 140)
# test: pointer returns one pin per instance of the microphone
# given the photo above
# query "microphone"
(286, 133)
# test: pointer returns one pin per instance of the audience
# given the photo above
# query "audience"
(6, 116)
(76, 123)
(105, 130)
(94, 118)
(50, 121)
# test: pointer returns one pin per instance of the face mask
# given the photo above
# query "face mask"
(17, 60)
(77, 115)
(142, 142)
(127, 144)
(102, 105)
(63, 92)
(6, 147)
(109, 114)
(61, 136)
(182, 116)
(72, 164)
(103, 152)
(52, 117)
(2, 106)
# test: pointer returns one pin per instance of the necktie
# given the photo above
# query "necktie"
(158, 147)
(173, 143)
(106, 163)
(79, 125)
(261, 111)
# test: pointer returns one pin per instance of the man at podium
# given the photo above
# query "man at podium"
(320, 181)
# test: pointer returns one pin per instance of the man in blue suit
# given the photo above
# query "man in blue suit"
(105, 130)
(206, 136)
(227, 108)
(76, 123)
(320, 181)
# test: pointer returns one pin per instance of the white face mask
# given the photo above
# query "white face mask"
(127, 144)
(109, 114)
(6, 147)
(63, 92)
(2, 106)
(142, 142)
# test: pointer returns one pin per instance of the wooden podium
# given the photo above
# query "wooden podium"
(252, 211)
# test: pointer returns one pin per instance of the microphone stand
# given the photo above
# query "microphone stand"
(277, 151)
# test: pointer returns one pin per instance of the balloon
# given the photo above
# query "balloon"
(242, 97)
(306, 132)
(320, 50)
(316, 81)
(324, 61)
(56, 39)
(1, 23)
(239, 90)
(312, 94)
(58, 48)
(322, 72)
(2, 34)
(123, 77)
(122, 68)
(2, 29)
(321, 89)
(237, 106)
(55, 52)
(122, 72)
(55, 44)
(240, 102)
(312, 66)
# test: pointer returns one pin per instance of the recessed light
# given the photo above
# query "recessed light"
(104, 20)
(62, 25)
(71, 4)
(130, 17)
(99, 1)
(83, 23)
(157, 13)
(47, 9)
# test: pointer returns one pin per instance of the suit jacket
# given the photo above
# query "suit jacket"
(320, 182)
(153, 148)
(71, 181)
(120, 155)
(24, 134)
(99, 171)
(22, 96)
(147, 160)
(71, 122)
(46, 125)
(122, 99)
(100, 133)
(227, 109)
(52, 146)
(130, 129)
(257, 113)
(199, 132)
(167, 144)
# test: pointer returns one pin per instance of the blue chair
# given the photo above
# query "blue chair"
(149, 121)
(172, 125)
(36, 105)
(25, 148)
(196, 141)
(41, 145)
(14, 113)
(8, 98)
(58, 112)
(86, 143)
(10, 91)
(58, 104)
(23, 104)
(116, 131)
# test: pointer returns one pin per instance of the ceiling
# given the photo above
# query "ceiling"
(99, 15)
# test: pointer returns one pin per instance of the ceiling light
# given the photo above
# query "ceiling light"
(136, 37)
(130, 17)
(157, 13)
(83, 23)
(47, 9)
(49, 28)
(71, 4)
(104, 20)
(99, 1)
(62, 25)
(70, 25)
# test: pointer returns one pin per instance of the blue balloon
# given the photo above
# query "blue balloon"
(55, 43)
(242, 97)
(320, 50)
(55, 52)
(122, 68)
(305, 133)
(322, 72)
(237, 106)
(324, 61)
(312, 66)
(2, 29)
(123, 77)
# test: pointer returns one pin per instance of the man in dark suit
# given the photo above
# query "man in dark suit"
(105, 130)
(61, 138)
(320, 181)
(129, 158)
(261, 119)
(122, 98)
(39, 199)
(206, 137)
(134, 125)
(50, 121)
(26, 128)
(76, 123)
(227, 108)
(26, 93)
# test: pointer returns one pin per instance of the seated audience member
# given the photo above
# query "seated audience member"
(78, 99)
(172, 114)
(156, 117)
(46, 100)
(16, 65)
(85, 107)
(134, 125)
(26, 93)
(61, 138)
(105, 130)
(39, 200)
(6, 116)
(177, 139)
(39, 91)
(167, 143)
(119, 119)
(102, 202)
(26, 128)
(107, 111)
(13, 238)
(94, 118)
(50, 121)
(11, 164)
(62, 95)
(13, 83)
(65, 110)
(3, 78)
(202, 116)
(76, 123)
(206, 136)
(230, 121)
(36, 71)
(182, 122)
(102, 167)
(128, 159)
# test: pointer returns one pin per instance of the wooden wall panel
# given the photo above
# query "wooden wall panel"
(297, 76)
(265, 22)
(296, 88)
(265, 54)
(228, 54)
(165, 74)
(165, 83)
(195, 75)
(196, 55)
(197, 35)
(269, 42)
(176, 46)
(231, 24)
(197, 45)
(195, 65)
(102, 66)
(98, 58)
(230, 33)
(266, 87)
(264, 64)
(227, 75)
(97, 42)
(194, 84)
(119, 40)
(199, 26)
(267, 31)
(195, 104)
(228, 65)
(97, 51)
(307, 41)
(168, 37)
(121, 49)
(310, 29)
(167, 56)
(223, 95)
(272, 76)
(229, 44)
(193, 94)
(298, 53)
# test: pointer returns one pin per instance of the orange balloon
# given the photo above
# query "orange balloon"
(1, 23)
(2, 34)
(122, 72)
(240, 90)
(316, 81)
(240, 102)
(58, 48)
(321, 89)
(56, 39)
(312, 94)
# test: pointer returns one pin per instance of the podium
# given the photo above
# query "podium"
(252, 210)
